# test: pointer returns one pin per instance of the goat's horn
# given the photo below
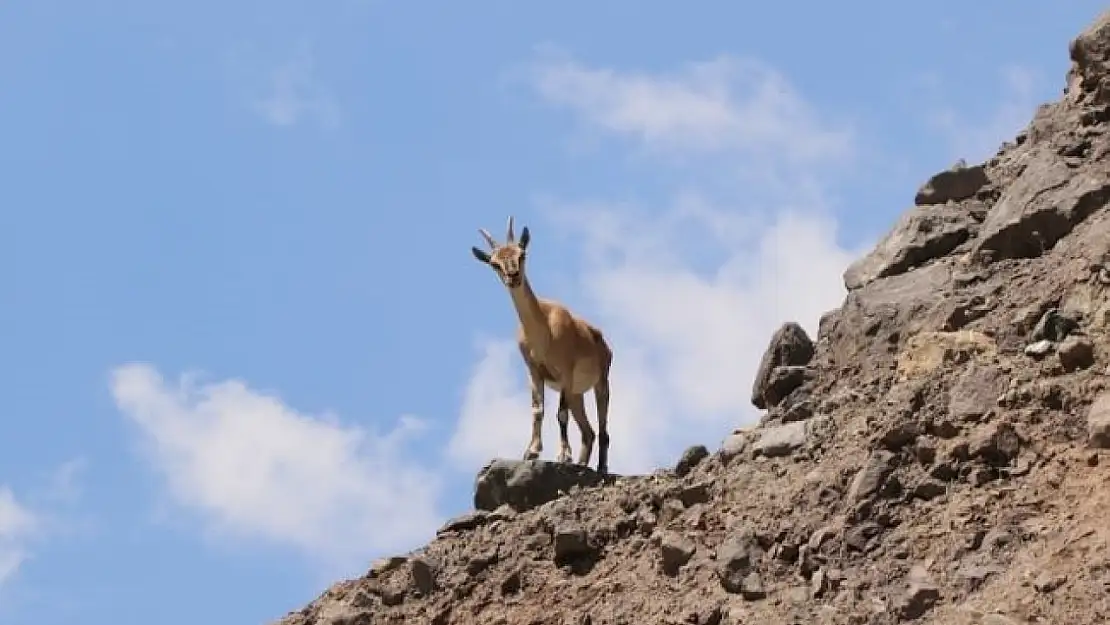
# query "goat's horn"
(488, 238)
(509, 237)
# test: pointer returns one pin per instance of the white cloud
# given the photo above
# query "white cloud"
(18, 525)
(976, 139)
(251, 466)
(294, 93)
(723, 105)
(689, 291)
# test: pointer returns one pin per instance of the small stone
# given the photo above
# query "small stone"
(735, 559)
(751, 588)
(921, 595)
(512, 583)
(783, 381)
(569, 542)
(690, 459)
(482, 561)
(1048, 582)
(694, 494)
(675, 551)
(929, 489)
(1076, 352)
(1053, 326)
(466, 522)
(424, 572)
(385, 565)
(671, 509)
(859, 536)
(1098, 422)
(869, 479)
(781, 440)
(997, 444)
(1039, 349)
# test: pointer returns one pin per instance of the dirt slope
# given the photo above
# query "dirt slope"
(935, 455)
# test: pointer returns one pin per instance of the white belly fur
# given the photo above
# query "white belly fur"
(584, 379)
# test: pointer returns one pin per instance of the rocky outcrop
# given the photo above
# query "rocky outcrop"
(939, 454)
(525, 484)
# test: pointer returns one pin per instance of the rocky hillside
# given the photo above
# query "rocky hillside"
(937, 454)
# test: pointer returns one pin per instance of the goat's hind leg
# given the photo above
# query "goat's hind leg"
(601, 395)
(578, 410)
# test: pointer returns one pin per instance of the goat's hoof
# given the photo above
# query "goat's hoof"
(531, 455)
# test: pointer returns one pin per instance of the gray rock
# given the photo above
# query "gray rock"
(671, 509)
(869, 479)
(1049, 582)
(751, 587)
(1054, 326)
(736, 557)
(997, 444)
(781, 440)
(1090, 56)
(466, 522)
(525, 484)
(921, 595)
(1076, 352)
(1040, 349)
(570, 540)
(952, 185)
(675, 551)
(1098, 422)
(976, 392)
(789, 346)
(734, 445)
(691, 458)
(424, 573)
(920, 235)
(783, 381)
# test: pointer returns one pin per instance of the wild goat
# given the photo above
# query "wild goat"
(560, 350)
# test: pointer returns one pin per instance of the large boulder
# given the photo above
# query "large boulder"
(790, 346)
(525, 484)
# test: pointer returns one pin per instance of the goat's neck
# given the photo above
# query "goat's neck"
(531, 316)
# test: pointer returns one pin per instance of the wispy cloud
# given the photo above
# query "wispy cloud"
(251, 467)
(36, 515)
(723, 105)
(294, 93)
(17, 525)
(690, 286)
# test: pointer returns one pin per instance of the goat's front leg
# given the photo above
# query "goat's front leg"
(535, 446)
(563, 415)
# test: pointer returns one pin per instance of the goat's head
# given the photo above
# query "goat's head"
(506, 260)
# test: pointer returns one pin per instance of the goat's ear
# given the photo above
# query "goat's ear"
(480, 255)
(525, 236)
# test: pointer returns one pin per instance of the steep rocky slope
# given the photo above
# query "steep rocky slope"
(936, 455)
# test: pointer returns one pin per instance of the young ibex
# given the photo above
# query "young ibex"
(561, 351)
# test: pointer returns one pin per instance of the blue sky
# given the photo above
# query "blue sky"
(245, 345)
